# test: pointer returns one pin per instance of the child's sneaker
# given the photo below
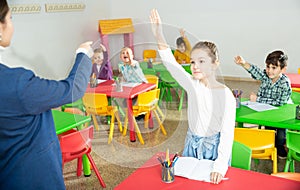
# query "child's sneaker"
(281, 152)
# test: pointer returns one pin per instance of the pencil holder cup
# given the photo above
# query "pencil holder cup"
(167, 174)
(93, 82)
(238, 102)
(298, 112)
(119, 87)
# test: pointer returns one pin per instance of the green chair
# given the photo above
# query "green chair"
(166, 84)
(149, 71)
(241, 156)
(293, 144)
(77, 104)
(295, 97)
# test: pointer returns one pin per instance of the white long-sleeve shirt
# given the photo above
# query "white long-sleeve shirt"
(210, 110)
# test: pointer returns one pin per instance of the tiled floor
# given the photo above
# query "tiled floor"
(120, 158)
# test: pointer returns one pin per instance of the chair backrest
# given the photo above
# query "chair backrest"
(256, 139)
(77, 104)
(152, 79)
(149, 71)
(148, 98)
(295, 97)
(293, 143)
(95, 102)
(77, 142)
(149, 53)
(241, 156)
(166, 77)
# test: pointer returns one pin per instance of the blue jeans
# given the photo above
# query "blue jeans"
(201, 147)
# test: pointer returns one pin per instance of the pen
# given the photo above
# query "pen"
(160, 160)
(175, 156)
(174, 161)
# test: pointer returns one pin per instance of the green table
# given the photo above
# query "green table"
(65, 121)
(283, 117)
(159, 67)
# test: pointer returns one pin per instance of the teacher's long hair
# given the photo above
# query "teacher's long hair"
(3, 10)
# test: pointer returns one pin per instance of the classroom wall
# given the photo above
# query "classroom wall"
(46, 42)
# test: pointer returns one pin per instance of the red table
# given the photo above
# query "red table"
(128, 93)
(149, 177)
(294, 78)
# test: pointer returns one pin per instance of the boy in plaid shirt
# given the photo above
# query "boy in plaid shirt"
(275, 88)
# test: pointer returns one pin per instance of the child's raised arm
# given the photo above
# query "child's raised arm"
(157, 29)
(239, 60)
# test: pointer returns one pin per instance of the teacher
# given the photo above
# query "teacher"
(30, 155)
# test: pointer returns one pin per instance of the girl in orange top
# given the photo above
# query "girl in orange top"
(182, 53)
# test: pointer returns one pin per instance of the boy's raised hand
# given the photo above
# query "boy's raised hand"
(239, 60)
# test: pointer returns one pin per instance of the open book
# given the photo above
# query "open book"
(193, 168)
(258, 106)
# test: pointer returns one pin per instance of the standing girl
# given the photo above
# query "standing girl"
(211, 105)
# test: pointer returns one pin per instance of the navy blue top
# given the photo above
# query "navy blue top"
(30, 156)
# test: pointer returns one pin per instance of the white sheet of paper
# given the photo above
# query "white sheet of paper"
(258, 106)
(100, 81)
(192, 168)
(130, 84)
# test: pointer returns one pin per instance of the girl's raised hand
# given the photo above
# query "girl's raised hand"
(157, 29)
(182, 32)
(155, 23)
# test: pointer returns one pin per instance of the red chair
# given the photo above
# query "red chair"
(74, 144)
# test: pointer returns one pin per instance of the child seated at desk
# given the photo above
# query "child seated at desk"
(130, 68)
(182, 53)
(101, 66)
(131, 71)
(275, 88)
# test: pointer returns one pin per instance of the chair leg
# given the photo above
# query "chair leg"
(119, 120)
(138, 132)
(111, 130)
(162, 128)
(146, 120)
(125, 124)
(95, 122)
(287, 165)
(79, 166)
(275, 164)
(292, 166)
(119, 107)
(169, 94)
(161, 95)
(96, 170)
(160, 112)
(181, 100)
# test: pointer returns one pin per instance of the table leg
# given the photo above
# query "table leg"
(240, 125)
(86, 166)
(130, 120)
(85, 161)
